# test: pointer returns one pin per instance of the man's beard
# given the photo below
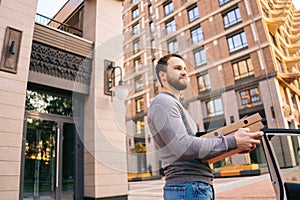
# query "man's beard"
(176, 83)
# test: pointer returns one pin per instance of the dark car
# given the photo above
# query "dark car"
(281, 147)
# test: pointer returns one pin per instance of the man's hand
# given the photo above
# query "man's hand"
(247, 141)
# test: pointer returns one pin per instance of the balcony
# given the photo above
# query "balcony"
(41, 19)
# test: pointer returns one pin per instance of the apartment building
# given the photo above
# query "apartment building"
(244, 58)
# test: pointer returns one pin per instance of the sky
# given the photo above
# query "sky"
(49, 8)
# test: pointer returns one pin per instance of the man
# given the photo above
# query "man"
(173, 130)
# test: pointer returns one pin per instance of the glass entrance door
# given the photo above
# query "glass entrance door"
(40, 173)
(49, 171)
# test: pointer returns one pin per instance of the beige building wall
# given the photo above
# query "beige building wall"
(105, 164)
(19, 15)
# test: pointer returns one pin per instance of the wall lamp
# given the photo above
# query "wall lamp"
(120, 91)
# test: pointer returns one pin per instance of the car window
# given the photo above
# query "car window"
(281, 147)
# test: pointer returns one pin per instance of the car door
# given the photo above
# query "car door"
(281, 148)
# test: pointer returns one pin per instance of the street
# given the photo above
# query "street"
(246, 188)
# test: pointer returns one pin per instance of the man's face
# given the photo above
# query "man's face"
(176, 73)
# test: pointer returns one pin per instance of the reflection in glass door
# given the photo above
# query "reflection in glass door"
(40, 173)
(49, 171)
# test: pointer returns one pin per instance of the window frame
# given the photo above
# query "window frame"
(238, 41)
(198, 36)
(135, 12)
(227, 16)
(192, 15)
(205, 82)
(203, 61)
(168, 8)
(174, 45)
(217, 112)
(238, 64)
(139, 104)
(249, 96)
(170, 26)
(136, 29)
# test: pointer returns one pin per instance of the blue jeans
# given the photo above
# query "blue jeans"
(188, 191)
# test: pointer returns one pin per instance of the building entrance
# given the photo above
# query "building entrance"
(52, 155)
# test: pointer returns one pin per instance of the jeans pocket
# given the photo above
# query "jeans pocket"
(174, 192)
(204, 191)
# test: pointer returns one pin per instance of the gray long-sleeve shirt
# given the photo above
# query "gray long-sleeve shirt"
(180, 151)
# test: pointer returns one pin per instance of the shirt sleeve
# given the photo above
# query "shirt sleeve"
(169, 125)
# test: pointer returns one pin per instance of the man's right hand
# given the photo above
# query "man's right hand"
(247, 141)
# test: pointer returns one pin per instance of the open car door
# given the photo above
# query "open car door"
(281, 148)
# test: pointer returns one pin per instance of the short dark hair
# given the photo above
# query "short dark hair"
(162, 64)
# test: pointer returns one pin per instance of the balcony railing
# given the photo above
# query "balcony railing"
(41, 19)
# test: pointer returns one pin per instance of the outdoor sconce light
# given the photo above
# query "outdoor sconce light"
(10, 50)
(120, 91)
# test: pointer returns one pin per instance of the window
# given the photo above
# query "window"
(140, 127)
(197, 35)
(136, 29)
(135, 13)
(250, 97)
(139, 104)
(214, 107)
(139, 84)
(170, 26)
(200, 57)
(152, 27)
(242, 68)
(136, 46)
(169, 8)
(137, 64)
(232, 17)
(237, 42)
(193, 13)
(203, 82)
(173, 46)
(134, 1)
(222, 2)
(150, 10)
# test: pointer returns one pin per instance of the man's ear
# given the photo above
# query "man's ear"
(163, 76)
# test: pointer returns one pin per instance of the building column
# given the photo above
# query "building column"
(105, 163)
(20, 17)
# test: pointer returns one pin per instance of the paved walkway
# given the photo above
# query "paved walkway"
(246, 188)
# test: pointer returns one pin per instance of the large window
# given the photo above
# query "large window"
(232, 17)
(136, 46)
(242, 68)
(168, 8)
(140, 127)
(170, 26)
(136, 29)
(135, 13)
(193, 13)
(237, 42)
(250, 97)
(197, 35)
(173, 46)
(150, 10)
(139, 83)
(200, 57)
(214, 107)
(139, 104)
(137, 64)
(203, 82)
(222, 2)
